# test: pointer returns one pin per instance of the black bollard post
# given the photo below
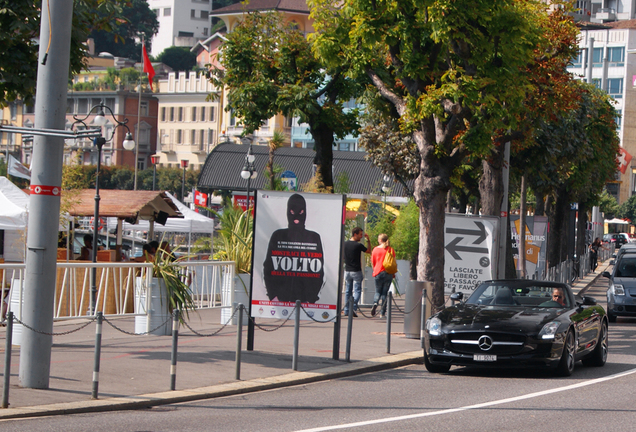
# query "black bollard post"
(173, 357)
(98, 351)
(296, 335)
(7, 361)
(239, 338)
(349, 330)
(389, 298)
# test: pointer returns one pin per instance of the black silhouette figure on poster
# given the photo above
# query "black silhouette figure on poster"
(294, 263)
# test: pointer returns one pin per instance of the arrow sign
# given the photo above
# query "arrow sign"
(453, 248)
(481, 232)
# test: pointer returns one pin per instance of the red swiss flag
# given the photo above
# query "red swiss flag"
(200, 198)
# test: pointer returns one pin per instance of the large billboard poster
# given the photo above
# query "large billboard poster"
(297, 244)
(469, 251)
(536, 242)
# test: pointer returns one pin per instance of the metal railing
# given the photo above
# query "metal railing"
(118, 287)
(569, 270)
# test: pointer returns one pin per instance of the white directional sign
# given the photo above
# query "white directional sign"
(469, 251)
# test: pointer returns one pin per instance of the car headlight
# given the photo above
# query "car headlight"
(549, 330)
(618, 289)
(434, 326)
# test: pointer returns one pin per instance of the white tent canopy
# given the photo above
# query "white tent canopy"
(192, 222)
(616, 221)
(14, 206)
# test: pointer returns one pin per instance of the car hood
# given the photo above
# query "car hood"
(467, 317)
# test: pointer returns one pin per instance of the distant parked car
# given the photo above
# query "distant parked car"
(621, 293)
(619, 239)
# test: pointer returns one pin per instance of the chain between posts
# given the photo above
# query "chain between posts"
(55, 334)
(137, 334)
(314, 319)
(216, 332)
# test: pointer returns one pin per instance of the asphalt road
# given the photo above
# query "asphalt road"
(406, 399)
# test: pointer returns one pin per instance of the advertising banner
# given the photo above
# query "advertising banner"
(469, 251)
(536, 242)
(297, 245)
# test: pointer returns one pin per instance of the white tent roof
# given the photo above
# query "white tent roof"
(192, 221)
(616, 221)
(14, 206)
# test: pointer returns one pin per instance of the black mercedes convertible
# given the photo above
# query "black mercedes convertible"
(517, 323)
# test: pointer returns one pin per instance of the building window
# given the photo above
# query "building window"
(615, 87)
(205, 14)
(193, 136)
(616, 56)
(171, 114)
(70, 106)
(202, 113)
(28, 109)
(82, 106)
(194, 114)
(180, 114)
(179, 136)
(162, 136)
(210, 136)
(619, 116)
(202, 137)
(211, 114)
(597, 83)
(193, 13)
(205, 31)
(597, 57)
(163, 114)
(167, 11)
(186, 34)
(143, 108)
(110, 103)
(141, 164)
(157, 12)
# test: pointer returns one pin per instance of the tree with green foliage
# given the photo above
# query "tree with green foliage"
(122, 39)
(627, 210)
(269, 68)
(450, 70)
(20, 22)
(608, 205)
(178, 58)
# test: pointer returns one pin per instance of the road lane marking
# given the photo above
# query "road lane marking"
(471, 407)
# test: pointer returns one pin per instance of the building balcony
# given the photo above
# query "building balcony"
(168, 148)
(199, 148)
(606, 14)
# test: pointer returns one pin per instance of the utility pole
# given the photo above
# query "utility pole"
(44, 204)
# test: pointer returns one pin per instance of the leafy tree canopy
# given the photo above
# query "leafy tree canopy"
(178, 58)
(122, 39)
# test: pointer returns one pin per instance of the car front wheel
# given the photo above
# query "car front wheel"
(566, 365)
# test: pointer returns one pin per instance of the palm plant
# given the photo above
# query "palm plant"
(277, 140)
(166, 267)
(234, 242)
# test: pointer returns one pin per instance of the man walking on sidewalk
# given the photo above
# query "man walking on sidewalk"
(353, 269)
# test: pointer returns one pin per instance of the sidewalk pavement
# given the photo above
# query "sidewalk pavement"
(135, 369)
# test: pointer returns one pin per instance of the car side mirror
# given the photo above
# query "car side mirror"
(612, 262)
(589, 301)
(457, 296)
(606, 274)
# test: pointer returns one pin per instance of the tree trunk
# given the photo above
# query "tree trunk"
(270, 169)
(431, 187)
(491, 183)
(581, 232)
(522, 229)
(557, 246)
(323, 140)
(539, 207)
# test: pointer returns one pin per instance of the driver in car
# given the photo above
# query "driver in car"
(558, 299)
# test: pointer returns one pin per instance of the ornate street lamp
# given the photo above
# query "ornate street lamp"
(249, 173)
(99, 141)
(155, 160)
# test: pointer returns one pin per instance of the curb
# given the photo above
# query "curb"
(216, 391)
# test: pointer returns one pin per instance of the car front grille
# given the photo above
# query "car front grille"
(475, 342)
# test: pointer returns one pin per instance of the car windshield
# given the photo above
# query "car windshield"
(509, 293)
(626, 267)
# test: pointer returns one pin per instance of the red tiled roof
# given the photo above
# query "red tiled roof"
(627, 24)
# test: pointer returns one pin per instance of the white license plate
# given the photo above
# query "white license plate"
(485, 357)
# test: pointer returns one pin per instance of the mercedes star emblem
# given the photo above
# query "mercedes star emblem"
(485, 343)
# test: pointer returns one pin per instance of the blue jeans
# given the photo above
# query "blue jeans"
(382, 284)
(353, 286)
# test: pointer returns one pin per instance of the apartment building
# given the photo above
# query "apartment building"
(181, 23)
(607, 46)
(188, 122)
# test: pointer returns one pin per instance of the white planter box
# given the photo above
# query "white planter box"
(156, 313)
(234, 290)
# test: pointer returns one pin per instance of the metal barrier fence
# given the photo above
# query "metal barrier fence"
(122, 288)
(569, 271)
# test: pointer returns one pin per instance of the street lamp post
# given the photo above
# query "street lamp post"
(184, 165)
(99, 141)
(154, 159)
(248, 173)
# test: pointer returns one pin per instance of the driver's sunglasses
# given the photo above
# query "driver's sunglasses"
(557, 296)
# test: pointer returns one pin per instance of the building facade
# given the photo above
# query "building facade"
(188, 122)
(181, 23)
(604, 60)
